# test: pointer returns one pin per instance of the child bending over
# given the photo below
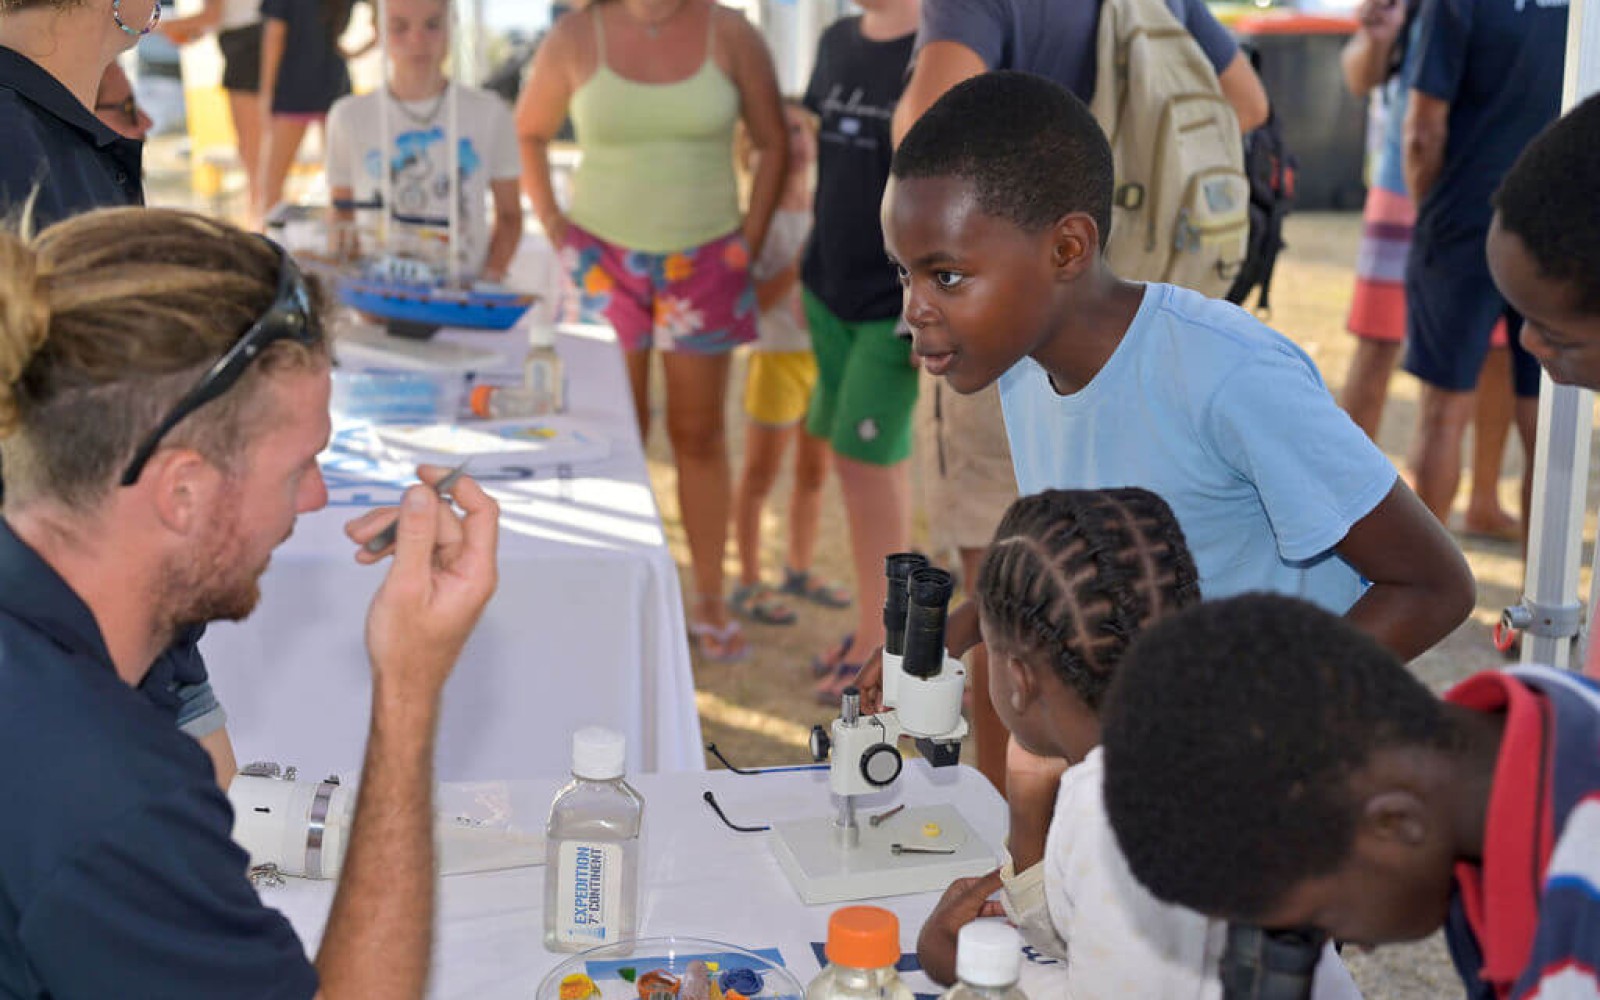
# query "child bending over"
(1070, 579)
(1267, 762)
(998, 207)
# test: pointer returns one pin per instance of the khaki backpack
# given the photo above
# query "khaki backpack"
(1181, 206)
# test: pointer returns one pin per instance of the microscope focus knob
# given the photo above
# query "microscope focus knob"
(820, 744)
(881, 764)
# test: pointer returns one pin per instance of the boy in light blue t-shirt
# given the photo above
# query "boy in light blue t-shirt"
(996, 212)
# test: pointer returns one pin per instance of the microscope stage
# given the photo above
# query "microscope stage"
(824, 871)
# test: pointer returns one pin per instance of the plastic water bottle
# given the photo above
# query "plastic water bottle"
(506, 402)
(543, 373)
(863, 949)
(591, 880)
(988, 962)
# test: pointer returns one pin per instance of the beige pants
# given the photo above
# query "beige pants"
(965, 464)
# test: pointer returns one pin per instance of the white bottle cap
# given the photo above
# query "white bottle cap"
(541, 335)
(988, 953)
(598, 753)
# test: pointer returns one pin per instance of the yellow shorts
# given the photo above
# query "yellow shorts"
(777, 386)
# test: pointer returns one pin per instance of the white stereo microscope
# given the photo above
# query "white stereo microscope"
(899, 850)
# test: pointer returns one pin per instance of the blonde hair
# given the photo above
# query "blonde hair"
(110, 317)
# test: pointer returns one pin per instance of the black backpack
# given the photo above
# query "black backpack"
(1271, 169)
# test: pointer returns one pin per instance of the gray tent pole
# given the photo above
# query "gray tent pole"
(1549, 614)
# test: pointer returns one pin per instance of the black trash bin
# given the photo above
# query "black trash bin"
(1323, 125)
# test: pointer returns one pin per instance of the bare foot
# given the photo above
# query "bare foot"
(1492, 523)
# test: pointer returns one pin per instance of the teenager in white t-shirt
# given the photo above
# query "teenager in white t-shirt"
(418, 101)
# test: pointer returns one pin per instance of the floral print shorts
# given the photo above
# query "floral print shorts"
(699, 301)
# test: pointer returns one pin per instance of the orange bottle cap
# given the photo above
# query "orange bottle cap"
(863, 937)
(478, 400)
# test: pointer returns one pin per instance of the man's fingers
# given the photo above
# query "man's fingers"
(480, 529)
(418, 530)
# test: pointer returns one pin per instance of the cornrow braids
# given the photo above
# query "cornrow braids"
(1073, 575)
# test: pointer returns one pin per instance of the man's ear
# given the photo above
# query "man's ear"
(181, 485)
(1075, 242)
(1395, 818)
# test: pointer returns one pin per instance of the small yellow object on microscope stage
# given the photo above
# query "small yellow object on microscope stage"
(931, 830)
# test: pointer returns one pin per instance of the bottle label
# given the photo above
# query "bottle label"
(589, 894)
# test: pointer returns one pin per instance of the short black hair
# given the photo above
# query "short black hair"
(1072, 576)
(1230, 735)
(1548, 200)
(1031, 151)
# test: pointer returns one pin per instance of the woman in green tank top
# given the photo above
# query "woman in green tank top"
(653, 239)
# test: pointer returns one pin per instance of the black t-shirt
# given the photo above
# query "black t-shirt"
(853, 90)
(313, 73)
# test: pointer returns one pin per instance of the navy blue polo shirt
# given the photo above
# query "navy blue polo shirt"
(55, 143)
(1498, 64)
(118, 874)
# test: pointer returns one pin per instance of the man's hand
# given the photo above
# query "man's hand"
(966, 900)
(444, 572)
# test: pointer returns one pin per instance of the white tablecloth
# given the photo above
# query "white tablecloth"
(700, 880)
(586, 628)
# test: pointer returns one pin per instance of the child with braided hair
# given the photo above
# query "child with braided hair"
(1071, 578)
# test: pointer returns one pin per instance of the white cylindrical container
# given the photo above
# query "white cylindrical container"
(299, 826)
(988, 962)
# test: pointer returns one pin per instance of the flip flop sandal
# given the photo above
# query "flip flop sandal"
(801, 584)
(760, 603)
(825, 663)
(719, 645)
(832, 690)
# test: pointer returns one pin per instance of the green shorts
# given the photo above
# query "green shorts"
(866, 388)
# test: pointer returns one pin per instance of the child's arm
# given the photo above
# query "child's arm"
(507, 232)
(342, 239)
(1031, 786)
(966, 900)
(772, 291)
(1421, 587)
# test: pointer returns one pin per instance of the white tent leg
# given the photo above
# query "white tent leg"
(1550, 610)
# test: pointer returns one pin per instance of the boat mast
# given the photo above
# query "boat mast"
(453, 137)
(385, 134)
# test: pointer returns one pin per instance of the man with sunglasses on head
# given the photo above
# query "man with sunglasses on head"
(164, 394)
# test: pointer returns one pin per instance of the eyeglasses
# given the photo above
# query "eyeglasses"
(288, 318)
(128, 108)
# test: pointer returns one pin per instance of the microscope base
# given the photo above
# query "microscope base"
(823, 871)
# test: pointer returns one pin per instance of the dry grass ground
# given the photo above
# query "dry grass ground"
(759, 711)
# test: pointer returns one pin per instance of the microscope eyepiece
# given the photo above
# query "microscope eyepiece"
(928, 593)
(898, 567)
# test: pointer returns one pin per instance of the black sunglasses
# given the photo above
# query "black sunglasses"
(127, 106)
(288, 318)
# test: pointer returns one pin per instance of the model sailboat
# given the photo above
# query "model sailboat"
(411, 295)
